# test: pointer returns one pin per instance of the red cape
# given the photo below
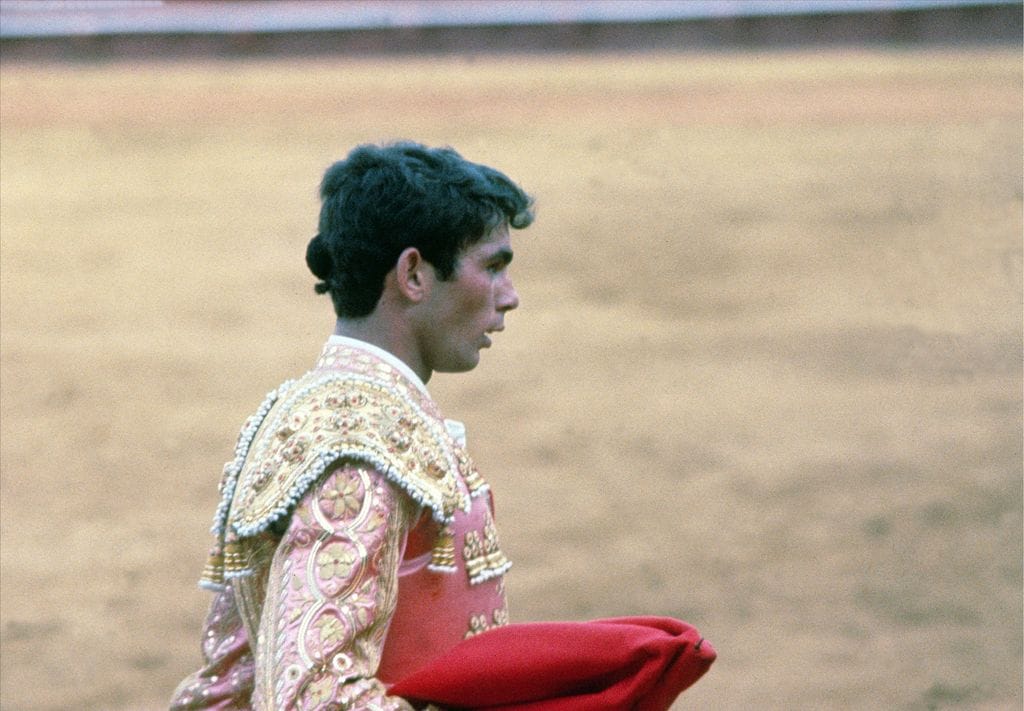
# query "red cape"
(621, 664)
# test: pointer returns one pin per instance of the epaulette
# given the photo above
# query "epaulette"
(302, 429)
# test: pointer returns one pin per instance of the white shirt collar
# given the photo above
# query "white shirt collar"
(389, 358)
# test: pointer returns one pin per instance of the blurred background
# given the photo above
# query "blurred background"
(766, 375)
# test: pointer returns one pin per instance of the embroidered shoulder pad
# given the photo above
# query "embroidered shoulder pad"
(331, 416)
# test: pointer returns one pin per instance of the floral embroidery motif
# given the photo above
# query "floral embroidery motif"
(331, 630)
(344, 498)
(336, 561)
(319, 692)
(294, 450)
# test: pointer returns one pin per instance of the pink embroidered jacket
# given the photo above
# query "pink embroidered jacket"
(354, 542)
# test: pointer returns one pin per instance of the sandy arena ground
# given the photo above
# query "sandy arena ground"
(766, 375)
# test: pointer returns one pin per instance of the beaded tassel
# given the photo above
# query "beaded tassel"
(442, 557)
(496, 560)
(474, 555)
(236, 562)
(475, 483)
(213, 574)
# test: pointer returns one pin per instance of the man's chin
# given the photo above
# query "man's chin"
(461, 366)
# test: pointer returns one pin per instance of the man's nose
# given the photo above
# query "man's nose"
(508, 298)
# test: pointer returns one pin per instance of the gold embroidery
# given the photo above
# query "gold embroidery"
(344, 499)
(496, 560)
(320, 691)
(501, 617)
(333, 591)
(387, 431)
(367, 413)
(477, 624)
(214, 575)
(213, 572)
(480, 623)
(482, 554)
(474, 482)
(336, 561)
(474, 555)
(331, 629)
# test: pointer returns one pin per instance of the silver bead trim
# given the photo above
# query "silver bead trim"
(234, 467)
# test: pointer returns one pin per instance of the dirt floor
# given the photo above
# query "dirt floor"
(766, 375)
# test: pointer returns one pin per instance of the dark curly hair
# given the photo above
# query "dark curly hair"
(381, 200)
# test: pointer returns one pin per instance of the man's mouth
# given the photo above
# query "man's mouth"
(493, 329)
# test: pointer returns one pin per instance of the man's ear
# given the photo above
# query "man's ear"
(413, 275)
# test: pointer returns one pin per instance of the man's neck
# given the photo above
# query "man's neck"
(375, 332)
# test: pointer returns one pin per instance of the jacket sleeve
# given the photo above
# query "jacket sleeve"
(225, 681)
(331, 593)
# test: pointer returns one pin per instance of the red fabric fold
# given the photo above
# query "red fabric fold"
(620, 664)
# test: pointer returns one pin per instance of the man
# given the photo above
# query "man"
(354, 539)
